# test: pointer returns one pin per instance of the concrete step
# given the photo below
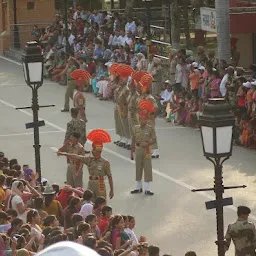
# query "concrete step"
(13, 54)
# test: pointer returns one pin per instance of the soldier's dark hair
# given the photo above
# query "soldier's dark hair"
(243, 210)
(74, 112)
(76, 135)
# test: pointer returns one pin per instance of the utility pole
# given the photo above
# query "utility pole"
(223, 30)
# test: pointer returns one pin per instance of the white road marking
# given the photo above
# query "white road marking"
(12, 61)
(27, 133)
(157, 172)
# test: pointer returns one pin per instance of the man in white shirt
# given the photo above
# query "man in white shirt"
(121, 39)
(71, 39)
(87, 206)
(167, 94)
(128, 39)
(130, 26)
(224, 81)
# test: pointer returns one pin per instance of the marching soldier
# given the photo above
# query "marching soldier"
(143, 138)
(145, 94)
(79, 101)
(71, 66)
(75, 168)
(76, 125)
(243, 234)
(98, 167)
(122, 104)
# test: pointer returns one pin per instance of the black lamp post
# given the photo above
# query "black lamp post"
(148, 7)
(216, 124)
(33, 64)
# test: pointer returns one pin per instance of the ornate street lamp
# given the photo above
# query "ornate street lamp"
(33, 66)
(33, 61)
(216, 125)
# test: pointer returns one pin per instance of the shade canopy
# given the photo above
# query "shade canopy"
(216, 124)
(32, 62)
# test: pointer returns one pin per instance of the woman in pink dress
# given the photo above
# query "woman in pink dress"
(215, 85)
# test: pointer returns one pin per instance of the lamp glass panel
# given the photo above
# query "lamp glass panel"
(224, 139)
(35, 71)
(25, 72)
(207, 133)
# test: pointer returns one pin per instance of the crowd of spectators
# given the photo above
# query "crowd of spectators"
(97, 39)
(33, 217)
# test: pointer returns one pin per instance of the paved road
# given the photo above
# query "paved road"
(175, 218)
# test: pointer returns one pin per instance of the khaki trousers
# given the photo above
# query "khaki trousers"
(143, 163)
(74, 181)
(117, 122)
(69, 92)
(93, 185)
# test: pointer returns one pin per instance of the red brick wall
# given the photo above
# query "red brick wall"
(43, 12)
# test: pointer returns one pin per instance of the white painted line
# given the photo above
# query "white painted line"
(157, 128)
(157, 172)
(12, 61)
(27, 133)
(54, 149)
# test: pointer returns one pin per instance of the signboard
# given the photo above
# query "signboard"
(208, 19)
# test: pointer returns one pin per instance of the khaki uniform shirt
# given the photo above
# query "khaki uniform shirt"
(122, 103)
(76, 125)
(97, 167)
(143, 134)
(132, 108)
(243, 234)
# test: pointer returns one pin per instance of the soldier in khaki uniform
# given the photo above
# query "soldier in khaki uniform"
(71, 66)
(133, 97)
(122, 106)
(98, 168)
(143, 138)
(243, 234)
(79, 101)
(145, 94)
(75, 168)
(117, 118)
(76, 125)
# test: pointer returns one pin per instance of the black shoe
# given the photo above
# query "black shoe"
(149, 193)
(120, 144)
(157, 156)
(116, 142)
(136, 191)
(125, 145)
(153, 156)
(87, 152)
(65, 110)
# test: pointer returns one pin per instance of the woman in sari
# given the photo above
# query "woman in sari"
(100, 74)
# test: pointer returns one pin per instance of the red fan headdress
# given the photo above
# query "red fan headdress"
(112, 69)
(145, 82)
(124, 71)
(138, 75)
(98, 137)
(80, 75)
(146, 105)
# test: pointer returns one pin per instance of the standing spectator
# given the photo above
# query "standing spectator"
(16, 201)
(243, 233)
(226, 81)
(157, 77)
